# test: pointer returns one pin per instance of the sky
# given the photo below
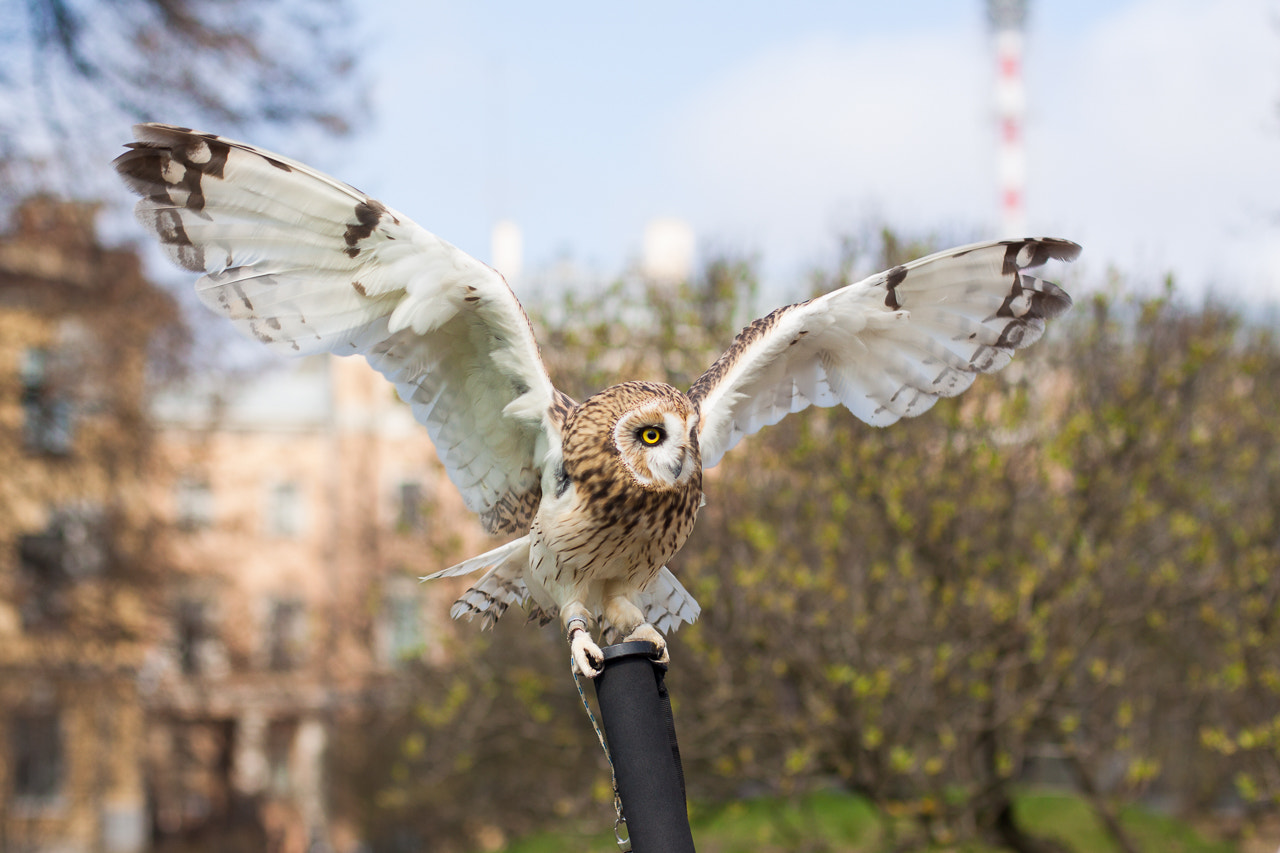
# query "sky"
(1153, 129)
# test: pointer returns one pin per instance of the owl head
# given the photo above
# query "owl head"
(657, 444)
(648, 429)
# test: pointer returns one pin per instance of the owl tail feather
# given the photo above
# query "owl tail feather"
(515, 549)
(500, 587)
(667, 604)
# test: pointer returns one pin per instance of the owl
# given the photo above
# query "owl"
(598, 495)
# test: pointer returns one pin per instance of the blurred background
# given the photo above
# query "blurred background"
(1043, 617)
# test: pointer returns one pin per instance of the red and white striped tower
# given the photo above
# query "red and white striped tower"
(1007, 19)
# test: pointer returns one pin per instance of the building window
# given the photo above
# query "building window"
(284, 511)
(286, 635)
(72, 547)
(194, 500)
(44, 581)
(47, 416)
(36, 750)
(194, 635)
(405, 626)
(399, 635)
(279, 755)
(411, 517)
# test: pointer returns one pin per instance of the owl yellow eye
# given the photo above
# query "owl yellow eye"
(651, 435)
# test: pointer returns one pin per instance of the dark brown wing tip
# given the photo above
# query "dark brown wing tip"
(142, 170)
(141, 165)
(1035, 252)
(1053, 300)
(1059, 249)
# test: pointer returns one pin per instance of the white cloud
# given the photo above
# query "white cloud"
(1153, 140)
(783, 152)
(1165, 151)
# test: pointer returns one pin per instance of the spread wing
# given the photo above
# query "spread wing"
(886, 347)
(307, 264)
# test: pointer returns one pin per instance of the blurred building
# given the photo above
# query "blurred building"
(78, 323)
(305, 504)
(197, 586)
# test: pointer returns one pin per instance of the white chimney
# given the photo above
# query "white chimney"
(506, 249)
(668, 250)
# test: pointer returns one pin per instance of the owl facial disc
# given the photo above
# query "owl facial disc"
(654, 445)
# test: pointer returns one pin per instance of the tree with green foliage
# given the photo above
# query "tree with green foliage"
(1075, 561)
(1069, 566)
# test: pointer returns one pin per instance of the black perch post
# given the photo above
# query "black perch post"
(636, 712)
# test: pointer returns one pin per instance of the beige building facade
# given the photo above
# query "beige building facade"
(305, 504)
(197, 585)
(78, 323)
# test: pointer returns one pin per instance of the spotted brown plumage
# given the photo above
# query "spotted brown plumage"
(599, 495)
(634, 516)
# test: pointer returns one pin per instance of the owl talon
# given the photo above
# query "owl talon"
(649, 634)
(587, 656)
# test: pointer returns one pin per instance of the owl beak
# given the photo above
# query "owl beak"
(681, 468)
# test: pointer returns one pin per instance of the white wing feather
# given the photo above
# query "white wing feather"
(667, 604)
(886, 347)
(305, 263)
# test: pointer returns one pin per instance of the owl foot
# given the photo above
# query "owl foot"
(587, 657)
(650, 634)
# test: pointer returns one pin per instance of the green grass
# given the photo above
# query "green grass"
(818, 821)
(841, 823)
(1069, 819)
